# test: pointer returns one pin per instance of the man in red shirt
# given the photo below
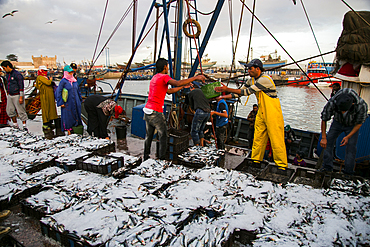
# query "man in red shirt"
(153, 110)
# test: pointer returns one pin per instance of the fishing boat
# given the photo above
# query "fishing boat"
(269, 61)
(319, 73)
(235, 197)
(238, 125)
(206, 63)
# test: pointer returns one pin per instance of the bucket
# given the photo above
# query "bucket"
(78, 129)
(121, 132)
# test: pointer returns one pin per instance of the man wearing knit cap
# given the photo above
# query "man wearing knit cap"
(350, 112)
(15, 101)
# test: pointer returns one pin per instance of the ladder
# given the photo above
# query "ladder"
(193, 43)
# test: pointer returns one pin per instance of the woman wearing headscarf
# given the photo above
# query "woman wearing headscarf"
(99, 109)
(45, 85)
(69, 99)
(4, 118)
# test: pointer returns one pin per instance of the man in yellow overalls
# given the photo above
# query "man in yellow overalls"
(269, 120)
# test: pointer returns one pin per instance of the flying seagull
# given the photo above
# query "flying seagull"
(50, 21)
(11, 13)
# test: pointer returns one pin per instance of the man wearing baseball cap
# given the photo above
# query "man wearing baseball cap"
(269, 121)
(74, 67)
(350, 112)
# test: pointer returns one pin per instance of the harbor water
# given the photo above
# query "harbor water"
(301, 106)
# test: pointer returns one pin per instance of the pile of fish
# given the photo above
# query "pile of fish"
(14, 183)
(129, 163)
(160, 203)
(165, 204)
(22, 152)
(100, 160)
(352, 186)
(201, 156)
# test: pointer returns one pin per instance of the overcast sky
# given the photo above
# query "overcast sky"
(72, 37)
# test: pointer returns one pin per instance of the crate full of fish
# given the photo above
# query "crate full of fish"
(68, 161)
(354, 185)
(17, 196)
(275, 174)
(55, 234)
(251, 167)
(129, 163)
(31, 211)
(313, 178)
(98, 146)
(99, 164)
(198, 157)
(38, 166)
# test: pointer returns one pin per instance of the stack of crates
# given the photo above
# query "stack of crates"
(178, 142)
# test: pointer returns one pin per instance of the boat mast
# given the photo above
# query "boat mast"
(178, 41)
(134, 18)
(207, 36)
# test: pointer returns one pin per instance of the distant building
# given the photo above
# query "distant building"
(23, 66)
(49, 62)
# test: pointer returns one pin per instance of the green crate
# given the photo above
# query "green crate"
(209, 90)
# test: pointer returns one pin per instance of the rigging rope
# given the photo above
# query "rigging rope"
(237, 41)
(313, 33)
(356, 12)
(101, 28)
(113, 32)
(202, 12)
(232, 37)
(125, 72)
(196, 46)
(251, 31)
(285, 50)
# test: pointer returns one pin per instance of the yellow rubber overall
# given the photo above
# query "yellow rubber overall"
(269, 124)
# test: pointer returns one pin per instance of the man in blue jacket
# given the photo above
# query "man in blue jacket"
(222, 114)
(15, 101)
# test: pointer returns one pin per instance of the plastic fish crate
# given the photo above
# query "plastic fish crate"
(104, 150)
(309, 177)
(55, 234)
(76, 241)
(15, 199)
(80, 165)
(121, 160)
(219, 162)
(251, 167)
(209, 90)
(350, 184)
(174, 151)
(240, 237)
(101, 169)
(39, 166)
(66, 166)
(274, 174)
(29, 210)
(124, 171)
(195, 165)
